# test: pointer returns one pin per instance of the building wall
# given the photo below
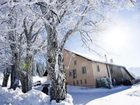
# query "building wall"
(71, 62)
(99, 71)
(126, 75)
(94, 70)
(116, 73)
(120, 74)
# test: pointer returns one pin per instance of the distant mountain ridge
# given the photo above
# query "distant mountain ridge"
(135, 71)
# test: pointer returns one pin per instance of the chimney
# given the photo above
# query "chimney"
(111, 60)
(105, 58)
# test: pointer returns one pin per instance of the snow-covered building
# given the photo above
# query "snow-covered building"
(84, 71)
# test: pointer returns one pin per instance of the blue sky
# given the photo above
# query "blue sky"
(120, 39)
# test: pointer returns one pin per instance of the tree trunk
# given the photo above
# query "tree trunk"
(26, 75)
(26, 81)
(58, 86)
(55, 67)
(5, 80)
(14, 77)
(15, 60)
(54, 58)
(15, 71)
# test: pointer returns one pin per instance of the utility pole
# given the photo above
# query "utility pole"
(108, 70)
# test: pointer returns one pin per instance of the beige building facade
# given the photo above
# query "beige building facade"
(82, 71)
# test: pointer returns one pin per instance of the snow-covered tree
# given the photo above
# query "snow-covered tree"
(31, 36)
(63, 18)
(8, 24)
(21, 28)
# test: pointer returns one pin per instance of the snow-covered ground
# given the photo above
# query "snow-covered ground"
(81, 96)
(122, 95)
(127, 97)
(85, 96)
(33, 97)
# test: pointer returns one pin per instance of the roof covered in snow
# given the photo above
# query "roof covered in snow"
(93, 60)
(90, 58)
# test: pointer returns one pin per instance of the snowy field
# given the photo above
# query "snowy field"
(122, 95)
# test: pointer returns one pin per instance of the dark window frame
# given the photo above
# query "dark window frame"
(84, 70)
(74, 73)
(98, 68)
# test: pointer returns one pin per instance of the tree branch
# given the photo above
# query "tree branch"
(32, 25)
(25, 28)
(35, 35)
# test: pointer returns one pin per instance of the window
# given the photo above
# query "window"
(85, 81)
(74, 73)
(84, 70)
(75, 62)
(81, 82)
(77, 82)
(98, 68)
(70, 74)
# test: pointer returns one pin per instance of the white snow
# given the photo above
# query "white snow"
(11, 97)
(83, 95)
(127, 97)
(41, 79)
(68, 101)
(122, 95)
(33, 97)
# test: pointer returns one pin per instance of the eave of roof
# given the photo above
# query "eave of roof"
(91, 59)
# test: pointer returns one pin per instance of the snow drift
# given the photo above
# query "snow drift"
(33, 97)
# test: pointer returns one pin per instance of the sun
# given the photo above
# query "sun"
(115, 37)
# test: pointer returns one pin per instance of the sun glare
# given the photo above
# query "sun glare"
(115, 37)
